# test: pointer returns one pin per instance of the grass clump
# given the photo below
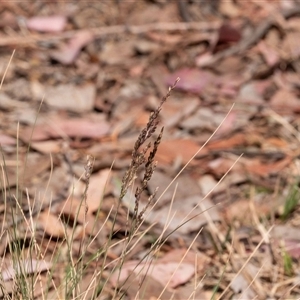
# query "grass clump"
(27, 250)
(291, 202)
(41, 266)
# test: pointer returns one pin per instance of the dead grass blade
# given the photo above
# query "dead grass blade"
(245, 263)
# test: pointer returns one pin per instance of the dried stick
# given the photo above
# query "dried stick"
(252, 38)
(109, 30)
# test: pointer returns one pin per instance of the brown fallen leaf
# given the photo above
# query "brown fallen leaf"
(61, 128)
(290, 45)
(203, 59)
(240, 286)
(293, 24)
(9, 19)
(68, 53)
(277, 143)
(285, 102)
(269, 54)
(69, 97)
(34, 167)
(98, 186)
(191, 80)
(253, 92)
(238, 139)
(292, 247)
(285, 231)
(228, 124)
(51, 146)
(239, 210)
(112, 55)
(51, 224)
(221, 165)
(173, 113)
(26, 266)
(7, 140)
(255, 166)
(75, 209)
(186, 186)
(166, 268)
(229, 9)
(99, 183)
(150, 289)
(193, 207)
(207, 183)
(184, 149)
(55, 23)
(170, 269)
(199, 259)
(188, 291)
(230, 64)
(228, 33)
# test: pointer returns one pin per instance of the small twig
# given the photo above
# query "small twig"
(182, 8)
(99, 32)
(245, 263)
(252, 38)
(5, 72)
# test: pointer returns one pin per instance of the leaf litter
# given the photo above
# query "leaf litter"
(100, 75)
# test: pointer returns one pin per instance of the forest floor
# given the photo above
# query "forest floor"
(80, 79)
